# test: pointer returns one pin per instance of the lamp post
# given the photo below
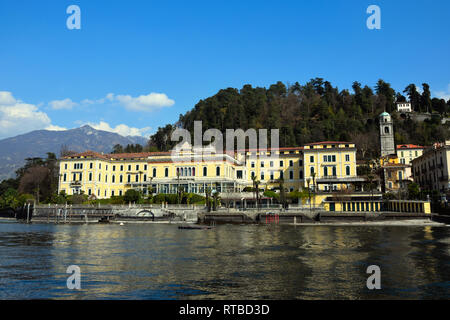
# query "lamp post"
(308, 181)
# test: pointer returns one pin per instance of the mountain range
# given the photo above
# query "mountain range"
(14, 151)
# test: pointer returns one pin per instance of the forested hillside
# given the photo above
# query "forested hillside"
(317, 111)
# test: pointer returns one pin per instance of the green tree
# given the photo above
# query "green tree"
(132, 196)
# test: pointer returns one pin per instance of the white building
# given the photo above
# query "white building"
(406, 153)
(404, 107)
(432, 170)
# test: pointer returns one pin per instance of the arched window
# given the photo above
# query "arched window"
(190, 171)
(154, 172)
(185, 172)
(218, 171)
(193, 171)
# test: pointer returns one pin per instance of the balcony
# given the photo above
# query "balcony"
(75, 183)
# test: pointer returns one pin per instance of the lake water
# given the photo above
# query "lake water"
(159, 261)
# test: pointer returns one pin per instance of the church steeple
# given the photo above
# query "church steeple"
(386, 134)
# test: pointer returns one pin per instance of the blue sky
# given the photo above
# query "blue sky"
(137, 65)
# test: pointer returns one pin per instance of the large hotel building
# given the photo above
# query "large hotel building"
(326, 166)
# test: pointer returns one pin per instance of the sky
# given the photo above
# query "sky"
(134, 66)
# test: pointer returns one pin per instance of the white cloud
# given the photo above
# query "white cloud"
(6, 98)
(66, 104)
(121, 129)
(148, 102)
(444, 94)
(55, 128)
(17, 117)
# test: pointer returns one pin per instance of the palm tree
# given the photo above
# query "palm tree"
(208, 195)
(282, 192)
(256, 189)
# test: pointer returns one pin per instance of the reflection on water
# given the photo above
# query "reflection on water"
(159, 261)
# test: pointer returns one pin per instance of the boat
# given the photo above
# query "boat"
(195, 227)
(104, 219)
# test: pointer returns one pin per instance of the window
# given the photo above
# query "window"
(129, 167)
(333, 158)
(300, 174)
(99, 177)
(89, 192)
(121, 179)
(106, 178)
(120, 192)
(166, 172)
(217, 171)
(386, 130)
(334, 171)
(129, 178)
(65, 166)
(300, 162)
(65, 177)
(291, 175)
(291, 163)
(311, 170)
(347, 170)
(271, 175)
(262, 164)
(112, 193)
(252, 164)
(90, 165)
(262, 175)
(114, 168)
(271, 164)
(99, 165)
(137, 178)
(281, 164)
(121, 168)
(205, 171)
(145, 167)
(154, 172)
(252, 174)
(347, 157)
(325, 171)
(113, 179)
(311, 158)
(145, 177)
(137, 167)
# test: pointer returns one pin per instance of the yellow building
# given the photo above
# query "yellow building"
(394, 173)
(324, 166)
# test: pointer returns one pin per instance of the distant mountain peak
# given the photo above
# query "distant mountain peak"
(14, 150)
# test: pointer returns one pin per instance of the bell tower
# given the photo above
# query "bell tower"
(386, 134)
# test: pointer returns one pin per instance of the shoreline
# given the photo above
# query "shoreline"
(391, 223)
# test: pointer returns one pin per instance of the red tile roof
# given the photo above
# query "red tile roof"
(409, 146)
(328, 142)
